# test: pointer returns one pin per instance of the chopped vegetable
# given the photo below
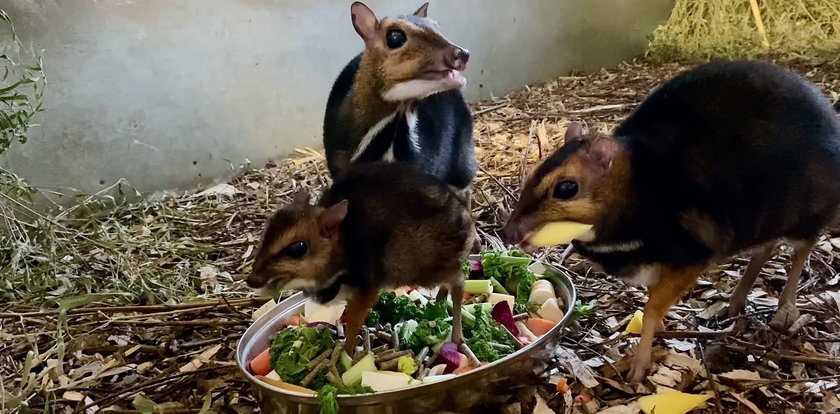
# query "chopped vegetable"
(635, 324)
(330, 313)
(285, 385)
(449, 356)
(497, 287)
(495, 298)
(261, 364)
(541, 291)
(484, 305)
(386, 381)
(294, 320)
(327, 396)
(551, 310)
(583, 399)
(498, 265)
(294, 347)
(439, 377)
(488, 340)
(478, 287)
(353, 376)
(540, 326)
(394, 309)
(504, 316)
(523, 329)
(345, 360)
(407, 365)
(436, 310)
(437, 370)
(673, 402)
(555, 233)
(263, 309)
(563, 385)
(415, 335)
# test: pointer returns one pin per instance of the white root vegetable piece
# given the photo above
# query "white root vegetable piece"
(555, 233)
(495, 298)
(437, 378)
(551, 310)
(263, 309)
(541, 291)
(436, 370)
(524, 331)
(386, 381)
(330, 312)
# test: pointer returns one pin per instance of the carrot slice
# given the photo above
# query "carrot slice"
(539, 326)
(562, 385)
(294, 320)
(261, 364)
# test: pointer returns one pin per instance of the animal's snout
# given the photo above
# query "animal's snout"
(512, 233)
(459, 59)
(256, 280)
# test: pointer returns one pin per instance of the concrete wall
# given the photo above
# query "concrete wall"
(170, 93)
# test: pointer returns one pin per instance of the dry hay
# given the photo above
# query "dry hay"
(703, 29)
(120, 353)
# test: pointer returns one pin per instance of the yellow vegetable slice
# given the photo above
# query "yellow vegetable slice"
(635, 324)
(560, 232)
(671, 402)
(285, 385)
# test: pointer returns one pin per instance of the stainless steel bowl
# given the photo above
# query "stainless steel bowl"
(486, 386)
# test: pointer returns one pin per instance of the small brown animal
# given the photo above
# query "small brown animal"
(724, 158)
(380, 225)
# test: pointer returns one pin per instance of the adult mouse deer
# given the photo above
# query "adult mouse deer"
(400, 100)
(723, 158)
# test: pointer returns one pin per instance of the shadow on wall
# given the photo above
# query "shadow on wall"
(171, 94)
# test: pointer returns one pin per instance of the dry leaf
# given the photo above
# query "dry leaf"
(583, 373)
(222, 189)
(743, 400)
(73, 396)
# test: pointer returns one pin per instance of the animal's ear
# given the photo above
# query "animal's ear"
(574, 132)
(423, 11)
(331, 218)
(364, 21)
(603, 150)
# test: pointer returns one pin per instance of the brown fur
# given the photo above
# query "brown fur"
(398, 227)
(382, 68)
(600, 192)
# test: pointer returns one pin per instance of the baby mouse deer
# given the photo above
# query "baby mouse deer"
(400, 100)
(380, 225)
(724, 158)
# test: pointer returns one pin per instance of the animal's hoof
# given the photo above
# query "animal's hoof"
(784, 317)
(638, 371)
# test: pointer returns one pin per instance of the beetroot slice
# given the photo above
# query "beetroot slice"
(448, 355)
(502, 314)
(476, 270)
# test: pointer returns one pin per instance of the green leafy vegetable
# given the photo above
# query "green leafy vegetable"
(436, 310)
(487, 339)
(328, 396)
(466, 268)
(415, 335)
(373, 318)
(294, 347)
(393, 309)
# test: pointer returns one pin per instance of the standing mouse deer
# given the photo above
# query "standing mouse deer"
(400, 100)
(724, 158)
(380, 225)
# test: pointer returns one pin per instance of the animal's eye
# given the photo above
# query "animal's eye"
(395, 38)
(565, 190)
(296, 250)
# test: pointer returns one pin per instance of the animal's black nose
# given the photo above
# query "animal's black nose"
(463, 54)
(255, 281)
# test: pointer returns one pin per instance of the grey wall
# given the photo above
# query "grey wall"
(169, 93)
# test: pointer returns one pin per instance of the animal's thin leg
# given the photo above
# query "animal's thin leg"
(457, 289)
(358, 308)
(738, 300)
(673, 283)
(787, 312)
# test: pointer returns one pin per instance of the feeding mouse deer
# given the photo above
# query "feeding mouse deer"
(724, 158)
(380, 225)
(400, 100)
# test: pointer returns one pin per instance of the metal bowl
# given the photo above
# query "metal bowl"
(487, 386)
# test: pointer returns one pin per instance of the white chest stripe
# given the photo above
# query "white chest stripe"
(368, 138)
(616, 247)
(411, 120)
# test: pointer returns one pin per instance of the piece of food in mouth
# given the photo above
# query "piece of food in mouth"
(562, 232)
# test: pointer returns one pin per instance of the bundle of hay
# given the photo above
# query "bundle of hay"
(703, 29)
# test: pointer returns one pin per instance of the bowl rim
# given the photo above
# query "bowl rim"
(298, 299)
